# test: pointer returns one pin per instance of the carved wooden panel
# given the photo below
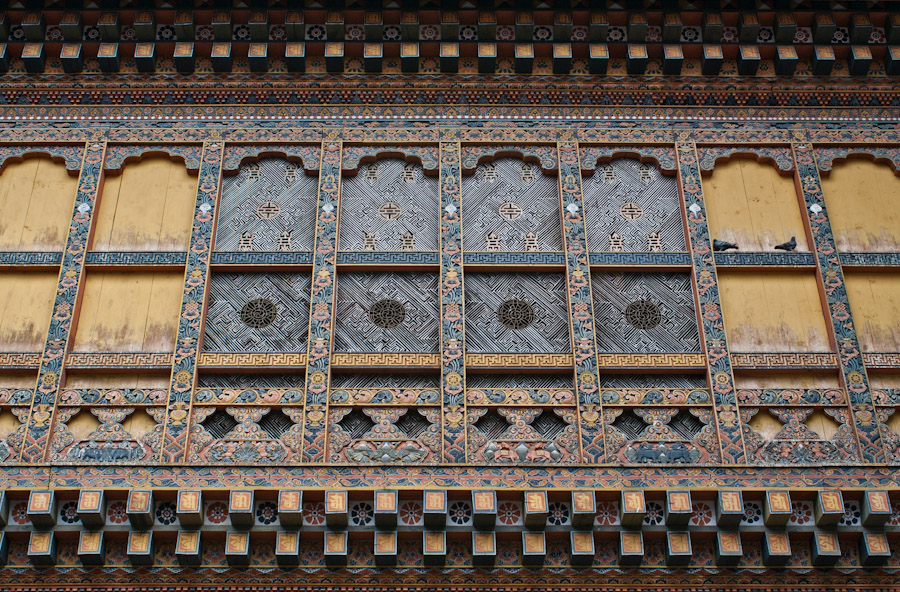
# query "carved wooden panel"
(386, 312)
(630, 206)
(509, 205)
(524, 313)
(257, 312)
(390, 205)
(268, 206)
(645, 312)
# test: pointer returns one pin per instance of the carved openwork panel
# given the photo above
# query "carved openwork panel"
(510, 205)
(630, 206)
(523, 435)
(645, 312)
(257, 312)
(661, 435)
(269, 205)
(513, 312)
(386, 312)
(384, 435)
(248, 434)
(109, 441)
(389, 205)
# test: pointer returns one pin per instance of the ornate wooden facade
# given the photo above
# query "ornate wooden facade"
(442, 298)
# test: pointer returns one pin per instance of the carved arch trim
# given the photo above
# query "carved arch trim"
(237, 155)
(828, 156)
(69, 155)
(778, 156)
(118, 155)
(356, 155)
(663, 157)
(474, 155)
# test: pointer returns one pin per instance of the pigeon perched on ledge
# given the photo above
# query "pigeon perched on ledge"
(788, 246)
(723, 245)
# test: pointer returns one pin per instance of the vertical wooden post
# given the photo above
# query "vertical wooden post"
(39, 432)
(453, 370)
(173, 447)
(321, 318)
(831, 276)
(581, 305)
(715, 344)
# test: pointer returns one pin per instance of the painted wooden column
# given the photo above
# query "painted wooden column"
(581, 306)
(173, 446)
(709, 305)
(453, 370)
(831, 276)
(322, 299)
(68, 291)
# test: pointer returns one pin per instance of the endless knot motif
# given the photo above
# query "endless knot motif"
(259, 313)
(631, 211)
(643, 314)
(509, 210)
(389, 210)
(268, 210)
(515, 314)
(387, 313)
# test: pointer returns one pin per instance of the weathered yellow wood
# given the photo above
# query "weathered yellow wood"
(131, 311)
(863, 201)
(751, 204)
(771, 311)
(18, 379)
(810, 379)
(26, 302)
(112, 379)
(875, 304)
(36, 199)
(149, 207)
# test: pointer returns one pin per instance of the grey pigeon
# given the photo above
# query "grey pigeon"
(723, 245)
(788, 246)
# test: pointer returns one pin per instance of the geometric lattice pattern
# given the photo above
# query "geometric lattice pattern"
(663, 322)
(229, 297)
(389, 205)
(629, 206)
(522, 381)
(280, 381)
(414, 295)
(544, 292)
(358, 380)
(509, 205)
(268, 206)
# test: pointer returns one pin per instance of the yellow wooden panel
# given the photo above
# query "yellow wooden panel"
(822, 424)
(884, 379)
(863, 201)
(83, 424)
(37, 196)
(875, 305)
(26, 302)
(139, 423)
(81, 379)
(18, 379)
(751, 204)
(149, 207)
(8, 422)
(772, 312)
(786, 379)
(129, 311)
